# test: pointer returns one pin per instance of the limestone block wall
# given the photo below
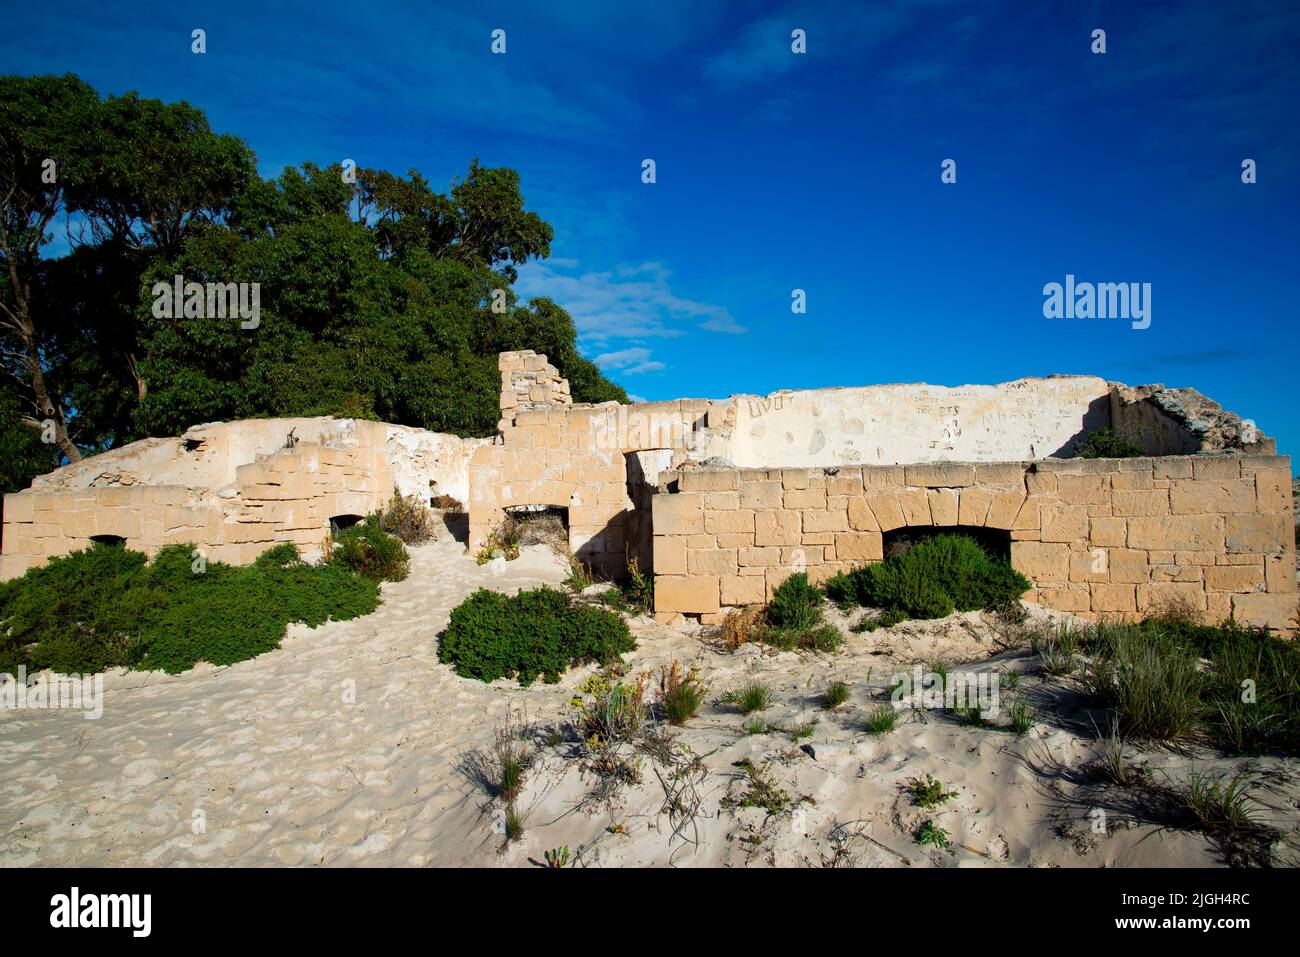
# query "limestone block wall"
(1111, 537)
(233, 489)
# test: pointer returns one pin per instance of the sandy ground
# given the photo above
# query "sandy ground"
(348, 747)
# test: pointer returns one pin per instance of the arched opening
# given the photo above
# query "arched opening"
(540, 525)
(339, 523)
(995, 541)
(116, 541)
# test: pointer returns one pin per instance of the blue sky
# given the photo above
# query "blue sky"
(819, 171)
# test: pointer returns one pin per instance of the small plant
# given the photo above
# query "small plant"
(796, 605)
(558, 857)
(503, 541)
(741, 626)
(408, 518)
(928, 792)
(1107, 443)
(639, 589)
(370, 552)
(761, 790)
(837, 693)
(930, 833)
(1023, 718)
(754, 696)
(616, 712)
(882, 719)
(1112, 760)
(680, 695)
(1219, 804)
(580, 577)
(514, 823)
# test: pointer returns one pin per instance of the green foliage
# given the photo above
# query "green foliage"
(1106, 443)
(106, 606)
(1150, 673)
(836, 694)
(882, 719)
(372, 553)
(931, 833)
(794, 618)
(796, 604)
(375, 296)
(928, 792)
(930, 580)
(680, 694)
(538, 633)
(754, 696)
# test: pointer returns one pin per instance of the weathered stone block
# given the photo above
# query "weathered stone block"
(1235, 578)
(1004, 509)
(1113, 597)
(688, 594)
(1083, 489)
(1216, 467)
(669, 555)
(859, 547)
(739, 521)
(1064, 523)
(708, 480)
(1212, 497)
(861, 517)
(1197, 532)
(746, 590)
(761, 495)
(915, 504)
(1264, 610)
(1257, 533)
(825, 520)
(679, 514)
(973, 506)
(777, 528)
(1041, 562)
(884, 505)
(940, 475)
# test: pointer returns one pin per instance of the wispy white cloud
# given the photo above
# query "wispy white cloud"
(629, 303)
(630, 361)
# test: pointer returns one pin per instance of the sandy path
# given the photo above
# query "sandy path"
(266, 762)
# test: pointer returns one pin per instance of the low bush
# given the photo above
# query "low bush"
(930, 580)
(1106, 443)
(105, 607)
(372, 553)
(538, 633)
(409, 519)
(794, 618)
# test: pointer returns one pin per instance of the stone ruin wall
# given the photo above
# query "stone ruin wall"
(1112, 537)
(722, 500)
(729, 519)
(232, 488)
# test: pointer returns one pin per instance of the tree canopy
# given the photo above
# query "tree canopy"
(379, 297)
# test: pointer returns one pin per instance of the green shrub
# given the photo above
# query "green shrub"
(106, 606)
(882, 719)
(794, 618)
(371, 552)
(1106, 443)
(930, 580)
(796, 604)
(538, 633)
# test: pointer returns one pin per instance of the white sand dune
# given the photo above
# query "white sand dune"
(267, 763)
